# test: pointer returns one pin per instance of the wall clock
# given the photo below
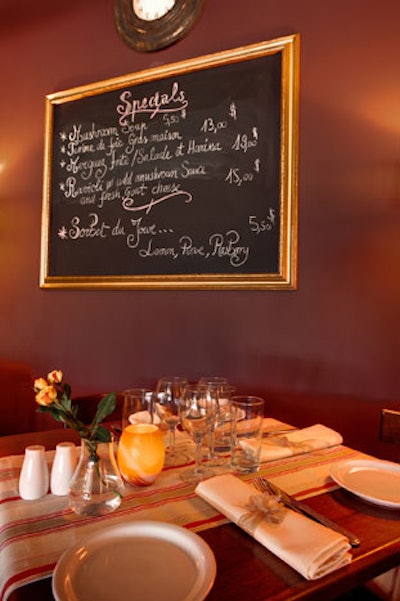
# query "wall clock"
(148, 25)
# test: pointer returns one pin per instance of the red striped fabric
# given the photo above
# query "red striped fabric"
(47, 527)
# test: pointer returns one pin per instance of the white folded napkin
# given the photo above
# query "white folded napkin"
(308, 547)
(143, 417)
(294, 443)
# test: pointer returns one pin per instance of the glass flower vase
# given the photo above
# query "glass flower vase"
(96, 485)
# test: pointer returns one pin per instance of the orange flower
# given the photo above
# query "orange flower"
(55, 376)
(54, 397)
(39, 384)
(46, 396)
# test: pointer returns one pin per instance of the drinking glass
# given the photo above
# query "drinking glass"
(248, 414)
(137, 406)
(198, 412)
(168, 394)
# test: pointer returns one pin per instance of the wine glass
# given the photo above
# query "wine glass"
(168, 394)
(212, 381)
(221, 433)
(198, 412)
(220, 388)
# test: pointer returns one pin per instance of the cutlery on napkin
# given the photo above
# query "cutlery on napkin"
(308, 547)
(265, 485)
(295, 442)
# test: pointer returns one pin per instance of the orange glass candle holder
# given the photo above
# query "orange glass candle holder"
(141, 453)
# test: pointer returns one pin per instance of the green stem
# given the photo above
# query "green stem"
(71, 422)
(94, 456)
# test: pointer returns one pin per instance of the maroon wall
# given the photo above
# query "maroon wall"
(339, 332)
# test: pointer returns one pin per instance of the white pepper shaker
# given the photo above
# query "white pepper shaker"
(63, 468)
(34, 476)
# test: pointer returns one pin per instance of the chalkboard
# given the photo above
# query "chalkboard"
(182, 176)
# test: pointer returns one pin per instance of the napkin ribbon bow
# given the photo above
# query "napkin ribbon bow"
(262, 506)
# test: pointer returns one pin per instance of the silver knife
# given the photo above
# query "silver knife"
(291, 502)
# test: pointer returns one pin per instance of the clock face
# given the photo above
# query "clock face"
(150, 10)
(148, 25)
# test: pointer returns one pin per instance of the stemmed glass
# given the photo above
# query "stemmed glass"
(198, 413)
(168, 396)
(220, 388)
(213, 381)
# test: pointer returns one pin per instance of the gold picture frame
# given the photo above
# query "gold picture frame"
(182, 176)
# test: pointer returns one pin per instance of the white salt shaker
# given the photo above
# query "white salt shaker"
(34, 476)
(63, 467)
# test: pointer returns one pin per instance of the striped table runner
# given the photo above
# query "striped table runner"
(33, 534)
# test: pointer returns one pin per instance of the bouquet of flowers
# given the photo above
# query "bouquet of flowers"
(54, 396)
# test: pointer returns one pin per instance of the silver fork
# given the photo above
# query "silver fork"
(263, 485)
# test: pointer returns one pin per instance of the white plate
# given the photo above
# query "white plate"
(374, 481)
(136, 561)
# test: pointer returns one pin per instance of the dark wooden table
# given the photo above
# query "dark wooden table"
(245, 569)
